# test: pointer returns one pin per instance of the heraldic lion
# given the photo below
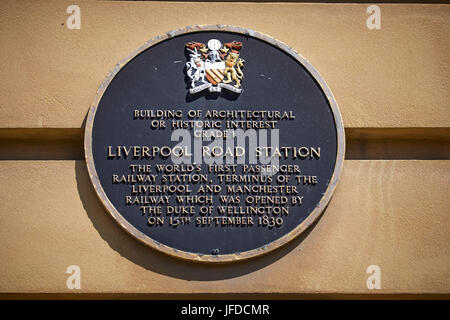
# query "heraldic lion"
(233, 63)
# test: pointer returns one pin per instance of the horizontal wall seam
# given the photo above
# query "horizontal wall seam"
(361, 143)
(311, 1)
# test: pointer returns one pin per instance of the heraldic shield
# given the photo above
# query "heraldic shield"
(214, 67)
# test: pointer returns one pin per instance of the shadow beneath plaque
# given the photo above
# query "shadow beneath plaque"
(137, 252)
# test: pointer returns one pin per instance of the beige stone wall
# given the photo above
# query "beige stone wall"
(391, 207)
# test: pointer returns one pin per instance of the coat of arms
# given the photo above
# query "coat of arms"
(215, 66)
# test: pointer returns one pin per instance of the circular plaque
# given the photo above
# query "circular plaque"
(214, 143)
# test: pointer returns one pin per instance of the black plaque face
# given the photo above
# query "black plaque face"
(257, 195)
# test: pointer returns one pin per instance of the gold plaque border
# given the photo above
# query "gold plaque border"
(192, 256)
